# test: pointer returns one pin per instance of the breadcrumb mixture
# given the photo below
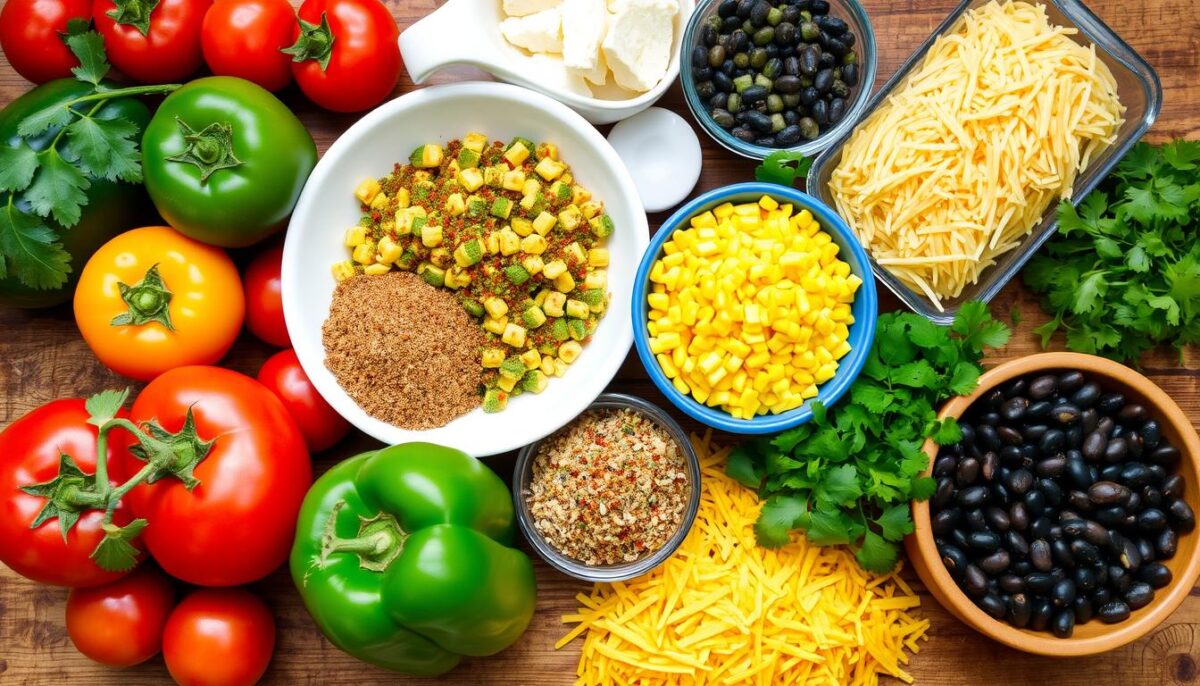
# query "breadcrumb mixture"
(609, 488)
(405, 351)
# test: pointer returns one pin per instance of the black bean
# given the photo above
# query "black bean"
(791, 14)
(1021, 568)
(833, 46)
(1085, 579)
(1052, 491)
(1011, 583)
(758, 12)
(1173, 486)
(1108, 493)
(754, 94)
(1016, 543)
(944, 521)
(1039, 555)
(975, 520)
(1133, 414)
(1063, 624)
(1010, 435)
(1062, 594)
(1181, 513)
(832, 25)
(1111, 472)
(1127, 552)
(1106, 426)
(1165, 454)
(1151, 520)
(1101, 596)
(765, 141)
(986, 436)
(997, 519)
(1014, 408)
(1119, 578)
(984, 541)
(850, 75)
(974, 582)
(820, 112)
(1041, 527)
(1077, 474)
(723, 118)
(1086, 396)
(1151, 496)
(1051, 467)
(1110, 403)
(1084, 552)
(1043, 387)
(993, 605)
(1082, 608)
(837, 108)
(1139, 595)
(787, 84)
(1166, 544)
(820, 7)
(1151, 433)
(1018, 386)
(790, 135)
(1039, 583)
(699, 56)
(1042, 613)
(757, 120)
(1020, 481)
(1010, 455)
(823, 80)
(1136, 444)
(1095, 534)
(995, 563)
(744, 134)
(1019, 515)
(1063, 554)
(1074, 527)
(1036, 502)
(967, 472)
(1116, 450)
(1093, 446)
(1110, 516)
(1113, 612)
(1019, 610)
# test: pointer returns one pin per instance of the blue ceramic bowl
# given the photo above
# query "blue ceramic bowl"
(865, 308)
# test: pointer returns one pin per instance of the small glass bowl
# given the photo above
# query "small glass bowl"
(523, 475)
(849, 10)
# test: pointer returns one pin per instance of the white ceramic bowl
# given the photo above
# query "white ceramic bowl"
(387, 135)
(467, 32)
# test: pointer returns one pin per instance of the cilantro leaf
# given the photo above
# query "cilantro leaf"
(107, 148)
(917, 374)
(948, 432)
(743, 468)
(783, 167)
(923, 488)
(895, 522)
(30, 251)
(89, 49)
(17, 166)
(839, 486)
(876, 554)
(58, 190)
(776, 518)
(964, 379)
(829, 528)
(43, 120)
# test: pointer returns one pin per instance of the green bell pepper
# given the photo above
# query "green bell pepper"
(402, 557)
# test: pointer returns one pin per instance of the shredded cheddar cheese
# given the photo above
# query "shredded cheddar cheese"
(723, 610)
(963, 159)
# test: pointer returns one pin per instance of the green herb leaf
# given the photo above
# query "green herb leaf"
(838, 487)
(17, 166)
(30, 250)
(58, 190)
(93, 63)
(115, 552)
(948, 432)
(43, 120)
(783, 167)
(776, 518)
(107, 148)
(743, 468)
(895, 522)
(876, 554)
(105, 405)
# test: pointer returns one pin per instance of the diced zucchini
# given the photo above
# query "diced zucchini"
(577, 309)
(575, 253)
(494, 400)
(408, 260)
(544, 222)
(596, 278)
(431, 236)
(516, 274)
(512, 367)
(533, 264)
(602, 226)
(559, 331)
(495, 307)
(554, 303)
(514, 335)
(522, 227)
(561, 192)
(470, 179)
(455, 204)
(494, 176)
(494, 325)
(468, 158)
(534, 381)
(533, 317)
(550, 169)
(440, 257)
(570, 217)
(473, 308)
(476, 206)
(508, 241)
(533, 244)
(433, 274)
(595, 299)
(501, 207)
(513, 180)
(576, 329)
(426, 156)
(523, 142)
(548, 350)
(469, 253)
(506, 384)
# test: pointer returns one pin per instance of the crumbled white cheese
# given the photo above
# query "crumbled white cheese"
(540, 32)
(549, 71)
(520, 8)
(583, 28)
(638, 44)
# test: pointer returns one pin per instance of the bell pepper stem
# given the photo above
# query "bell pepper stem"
(379, 542)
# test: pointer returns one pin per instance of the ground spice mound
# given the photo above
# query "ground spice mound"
(609, 488)
(405, 351)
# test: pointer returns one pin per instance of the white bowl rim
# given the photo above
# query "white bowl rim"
(575, 398)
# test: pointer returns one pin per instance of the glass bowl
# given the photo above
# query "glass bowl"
(1138, 88)
(523, 475)
(852, 13)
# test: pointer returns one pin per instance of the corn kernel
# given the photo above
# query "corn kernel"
(554, 303)
(517, 154)
(554, 268)
(533, 244)
(455, 204)
(495, 325)
(533, 264)
(544, 222)
(495, 307)
(343, 270)
(377, 268)
(492, 358)
(513, 180)
(514, 335)
(364, 253)
(388, 251)
(355, 236)
(431, 236)
(564, 282)
(508, 240)
(521, 227)
(367, 190)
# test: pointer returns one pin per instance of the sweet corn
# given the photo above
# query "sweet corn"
(514, 335)
(554, 303)
(492, 358)
(456, 204)
(569, 351)
(355, 236)
(513, 180)
(495, 325)
(533, 264)
(517, 154)
(343, 270)
(377, 269)
(509, 241)
(749, 307)
(533, 244)
(564, 282)
(388, 251)
(367, 190)
(521, 227)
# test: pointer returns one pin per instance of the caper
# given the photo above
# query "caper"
(765, 82)
(758, 58)
(774, 16)
(723, 118)
(773, 68)
(809, 128)
(774, 104)
(764, 36)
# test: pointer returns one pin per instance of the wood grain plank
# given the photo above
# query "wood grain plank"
(42, 358)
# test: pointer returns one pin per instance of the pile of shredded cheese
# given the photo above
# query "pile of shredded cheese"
(722, 610)
(962, 160)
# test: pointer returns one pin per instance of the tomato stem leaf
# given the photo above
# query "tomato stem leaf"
(315, 42)
(148, 301)
(135, 13)
(115, 553)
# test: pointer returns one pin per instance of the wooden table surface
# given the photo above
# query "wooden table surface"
(43, 358)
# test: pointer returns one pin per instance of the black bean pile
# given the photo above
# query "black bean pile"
(1059, 504)
(775, 72)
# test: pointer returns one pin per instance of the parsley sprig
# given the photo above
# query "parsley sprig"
(846, 477)
(42, 180)
(1123, 273)
(783, 167)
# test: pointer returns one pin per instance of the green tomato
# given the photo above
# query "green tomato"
(225, 161)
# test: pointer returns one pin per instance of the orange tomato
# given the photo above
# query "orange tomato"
(152, 299)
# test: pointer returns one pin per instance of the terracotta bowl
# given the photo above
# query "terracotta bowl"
(1094, 636)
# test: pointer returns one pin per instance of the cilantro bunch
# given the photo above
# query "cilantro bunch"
(1123, 273)
(59, 149)
(846, 477)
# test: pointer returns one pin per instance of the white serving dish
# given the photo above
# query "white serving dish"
(387, 135)
(467, 32)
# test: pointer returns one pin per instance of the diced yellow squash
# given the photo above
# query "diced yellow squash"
(509, 241)
(494, 176)
(549, 169)
(387, 251)
(570, 217)
(596, 278)
(431, 235)
(575, 253)
(591, 208)
(367, 190)
(495, 325)
(533, 244)
(533, 264)
(402, 198)
(355, 236)
(470, 179)
(564, 282)
(492, 243)
(377, 269)
(513, 180)
(506, 383)
(554, 268)
(597, 257)
(456, 205)
(547, 150)
(532, 358)
(495, 307)
(579, 194)
(491, 358)
(544, 222)
(364, 253)
(577, 309)
(405, 218)
(343, 270)
(426, 156)
(554, 303)
(569, 351)
(380, 201)
(531, 187)
(517, 154)
(514, 335)
(523, 227)
(475, 141)
(440, 256)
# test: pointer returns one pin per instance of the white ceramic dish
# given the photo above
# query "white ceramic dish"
(387, 135)
(467, 32)
(662, 153)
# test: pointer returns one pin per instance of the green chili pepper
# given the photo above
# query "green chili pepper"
(402, 557)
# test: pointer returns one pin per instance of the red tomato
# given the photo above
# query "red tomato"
(31, 36)
(219, 637)
(236, 526)
(121, 624)
(245, 38)
(162, 49)
(321, 425)
(364, 64)
(264, 296)
(29, 454)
